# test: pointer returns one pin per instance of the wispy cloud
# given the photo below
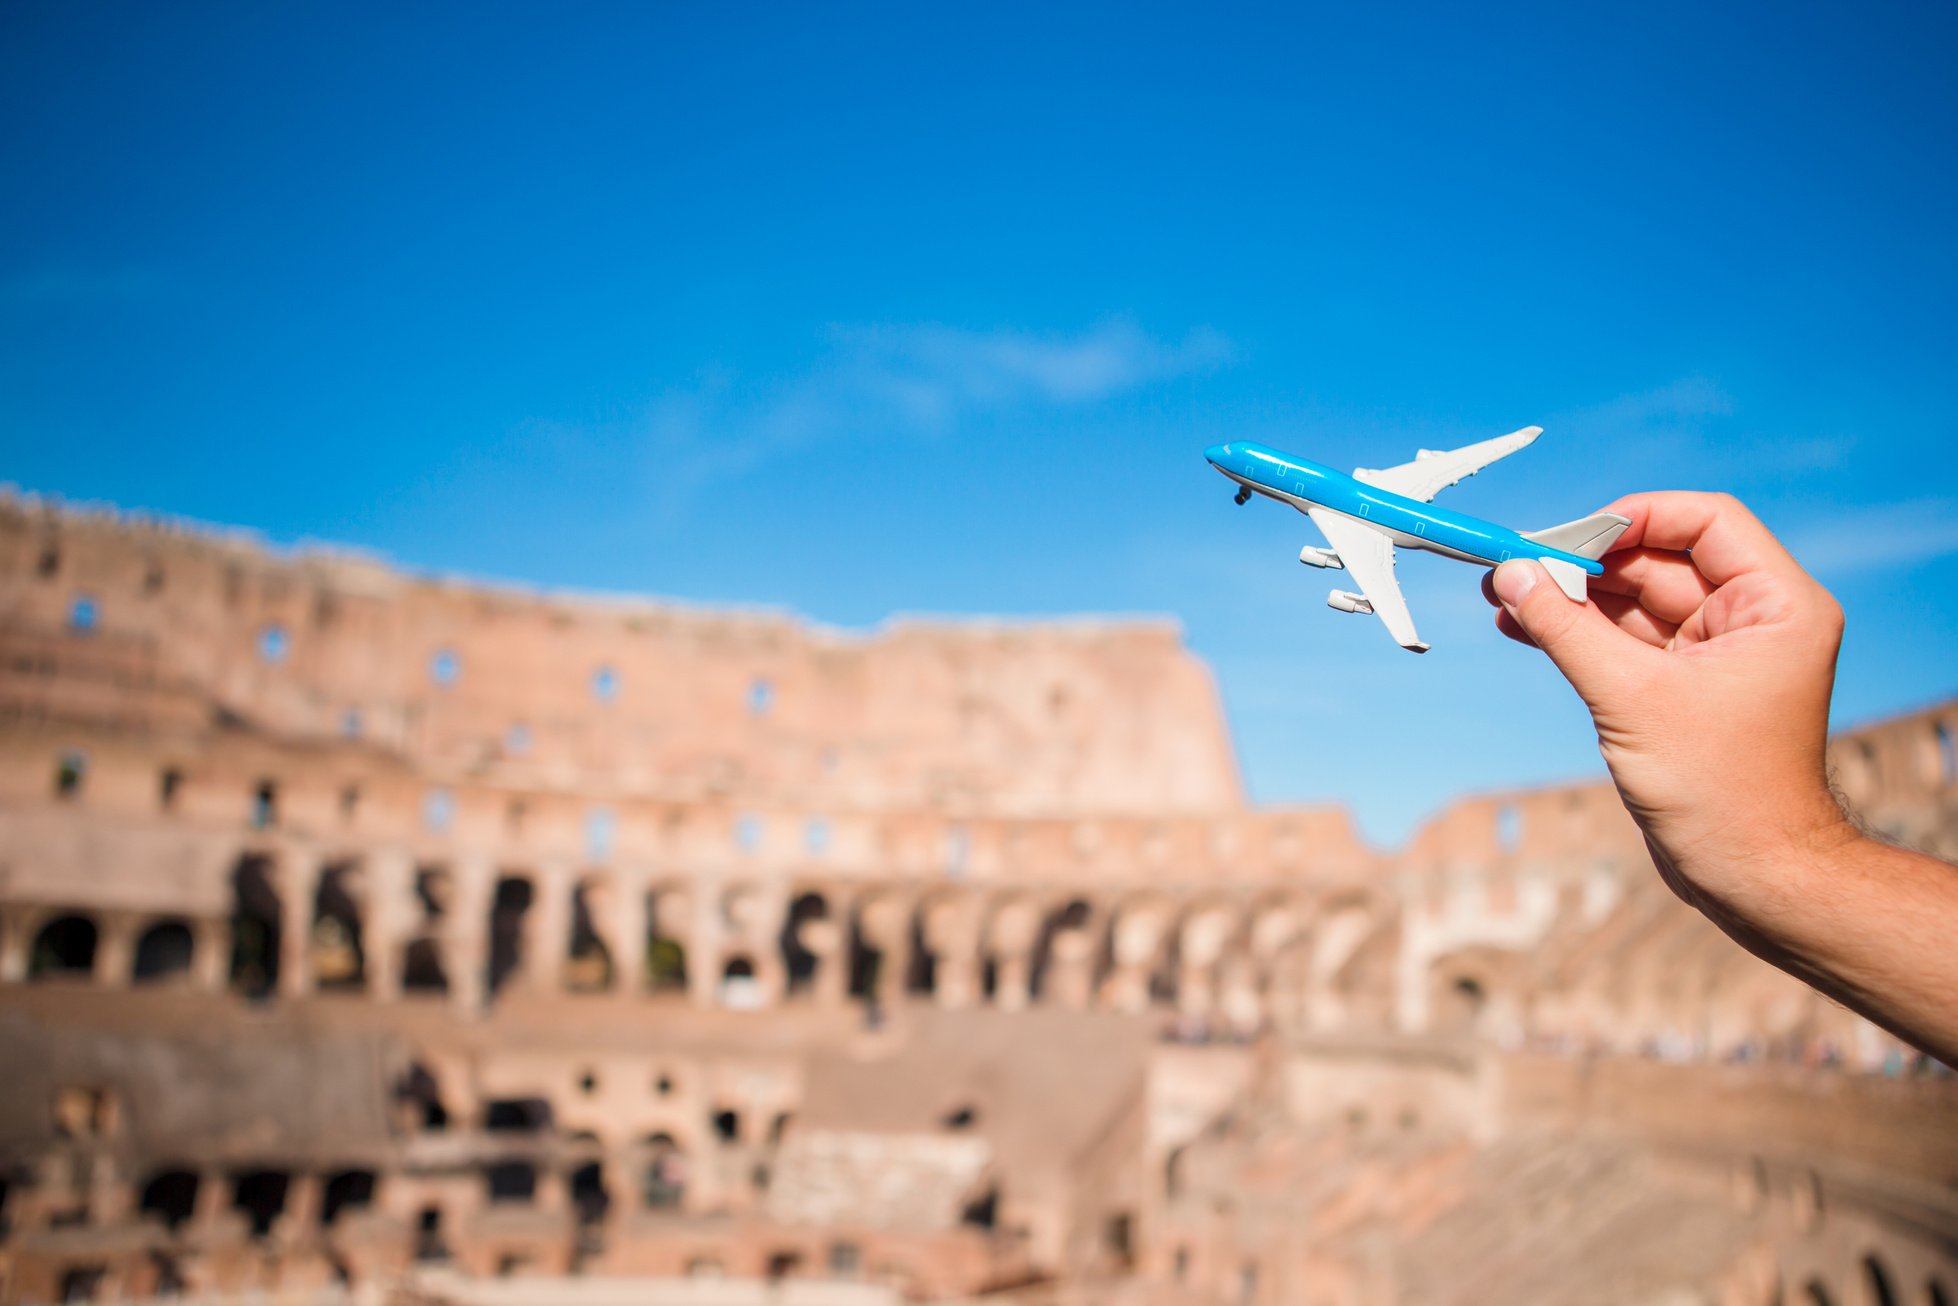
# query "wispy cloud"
(1692, 431)
(891, 381)
(1882, 535)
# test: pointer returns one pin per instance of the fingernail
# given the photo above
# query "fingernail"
(1514, 581)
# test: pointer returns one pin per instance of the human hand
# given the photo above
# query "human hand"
(1706, 656)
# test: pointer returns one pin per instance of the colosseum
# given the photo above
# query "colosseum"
(373, 938)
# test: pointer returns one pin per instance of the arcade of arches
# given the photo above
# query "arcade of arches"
(361, 933)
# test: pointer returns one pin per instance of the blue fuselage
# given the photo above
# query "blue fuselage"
(1409, 522)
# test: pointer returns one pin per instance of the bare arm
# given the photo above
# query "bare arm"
(1707, 658)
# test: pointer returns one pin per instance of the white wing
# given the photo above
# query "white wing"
(1430, 473)
(1369, 559)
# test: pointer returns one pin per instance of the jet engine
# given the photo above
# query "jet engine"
(1312, 557)
(1346, 602)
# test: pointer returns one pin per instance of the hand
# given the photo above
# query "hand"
(1706, 656)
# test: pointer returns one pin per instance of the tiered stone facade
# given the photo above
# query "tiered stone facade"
(424, 937)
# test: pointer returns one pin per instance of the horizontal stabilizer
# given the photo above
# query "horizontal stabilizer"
(1587, 537)
(1569, 576)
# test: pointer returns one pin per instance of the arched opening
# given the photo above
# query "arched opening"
(254, 928)
(163, 951)
(339, 961)
(982, 1212)
(589, 1197)
(799, 962)
(420, 1092)
(170, 1196)
(666, 1174)
(666, 955)
(590, 966)
(740, 990)
(63, 948)
(727, 1125)
(261, 1195)
(866, 963)
(430, 1245)
(509, 906)
(349, 1190)
(511, 1181)
(1946, 740)
(264, 812)
(1878, 1280)
(421, 967)
(517, 1115)
(1070, 921)
(1463, 999)
(921, 975)
(1935, 1293)
(1816, 1293)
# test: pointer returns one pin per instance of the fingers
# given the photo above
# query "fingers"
(1665, 584)
(1597, 657)
(1726, 540)
(1635, 619)
(1625, 612)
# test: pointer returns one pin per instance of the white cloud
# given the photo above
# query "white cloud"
(1872, 536)
(903, 381)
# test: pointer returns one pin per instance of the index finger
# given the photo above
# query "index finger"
(1725, 539)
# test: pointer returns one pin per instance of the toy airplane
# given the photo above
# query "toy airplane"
(1366, 514)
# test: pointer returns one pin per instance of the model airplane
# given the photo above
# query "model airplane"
(1363, 516)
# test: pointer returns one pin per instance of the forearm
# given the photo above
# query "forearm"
(1869, 924)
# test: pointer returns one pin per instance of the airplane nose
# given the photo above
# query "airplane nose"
(1217, 453)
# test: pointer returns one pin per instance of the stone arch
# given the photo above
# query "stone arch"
(807, 941)
(1138, 946)
(878, 929)
(164, 952)
(1012, 929)
(588, 962)
(335, 942)
(256, 942)
(1205, 930)
(948, 925)
(63, 948)
(921, 965)
(663, 1183)
(170, 1195)
(669, 915)
(1351, 975)
(1060, 970)
(512, 900)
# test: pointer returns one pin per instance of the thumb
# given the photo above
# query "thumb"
(1592, 653)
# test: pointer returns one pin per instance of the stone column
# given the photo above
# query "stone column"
(829, 942)
(1012, 979)
(625, 933)
(299, 880)
(952, 932)
(389, 874)
(705, 939)
(465, 931)
(1014, 930)
(210, 954)
(547, 934)
(1070, 967)
(16, 937)
(115, 949)
(305, 1197)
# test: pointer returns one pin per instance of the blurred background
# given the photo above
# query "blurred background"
(559, 552)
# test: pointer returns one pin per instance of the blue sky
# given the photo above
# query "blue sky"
(869, 310)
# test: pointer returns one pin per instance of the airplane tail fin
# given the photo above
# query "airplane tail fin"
(1569, 576)
(1588, 537)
